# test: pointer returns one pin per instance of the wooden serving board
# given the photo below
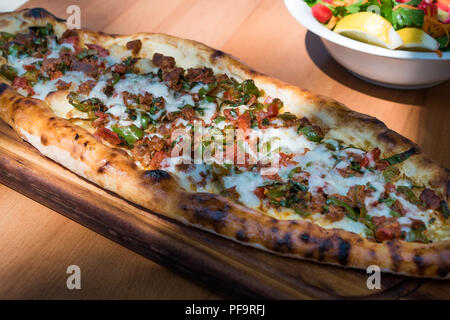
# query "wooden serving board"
(225, 267)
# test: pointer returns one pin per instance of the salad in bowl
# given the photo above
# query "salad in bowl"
(422, 25)
(402, 45)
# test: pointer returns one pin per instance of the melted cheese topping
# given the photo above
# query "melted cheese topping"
(319, 164)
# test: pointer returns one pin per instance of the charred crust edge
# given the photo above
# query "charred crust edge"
(217, 54)
(40, 13)
(155, 175)
(344, 248)
(3, 87)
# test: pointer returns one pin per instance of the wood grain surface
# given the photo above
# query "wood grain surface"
(38, 244)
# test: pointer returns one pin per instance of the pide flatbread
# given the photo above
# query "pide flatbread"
(315, 181)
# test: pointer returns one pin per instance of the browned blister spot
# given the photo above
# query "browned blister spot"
(30, 102)
(40, 13)
(420, 263)
(283, 243)
(324, 246)
(205, 209)
(241, 235)
(104, 167)
(304, 237)
(3, 87)
(216, 55)
(443, 271)
(44, 140)
(448, 187)
(4, 23)
(386, 137)
(396, 258)
(155, 176)
(120, 151)
(344, 248)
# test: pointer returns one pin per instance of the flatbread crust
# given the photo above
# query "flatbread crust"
(113, 169)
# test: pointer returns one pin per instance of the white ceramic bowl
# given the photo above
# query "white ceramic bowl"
(390, 68)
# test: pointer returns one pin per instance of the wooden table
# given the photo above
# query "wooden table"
(38, 244)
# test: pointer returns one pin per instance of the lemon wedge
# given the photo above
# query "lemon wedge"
(417, 39)
(369, 28)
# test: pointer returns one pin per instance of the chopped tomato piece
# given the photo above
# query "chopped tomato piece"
(157, 158)
(22, 83)
(29, 67)
(429, 8)
(389, 187)
(107, 135)
(387, 228)
(321, 12)
(55, 75)
(286, 160)
(259, 192)
(229, 115)
(370, 158)
(101, 120)
(244, 121)
(272, 111)
(268, 100)
(102, 52)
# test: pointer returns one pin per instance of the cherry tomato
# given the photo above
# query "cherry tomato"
(321, 12)
(443, 6)
(426, 6)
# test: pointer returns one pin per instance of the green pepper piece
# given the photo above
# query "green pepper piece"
(115, 78)
(294, 171)
(63, 67)
(301, 212)
(390, 173)
(400, 157)
(85, 105)
(203, 92)
(287, 116)
(408, 193)
(130, 134)
(86, 53)
(393, 213)
(145, 120)
(44, 31)
(370, 186)
(249, 87)
(332, 144)
(219, 119)
(299, 186)
(444, 208)
(416, 235)
(310, 133)
(275, 193)
(351, 213)
(8, 72)
(5, 36)
(356, 166)
(14, 50)
(389, 201)
(367, 221)
(31, 76)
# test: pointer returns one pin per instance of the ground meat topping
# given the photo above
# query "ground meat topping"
(134, 46)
